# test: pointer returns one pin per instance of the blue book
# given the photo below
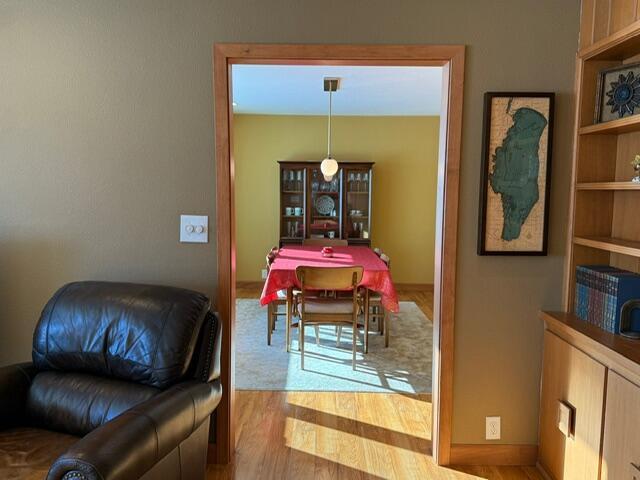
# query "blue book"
(601, 291)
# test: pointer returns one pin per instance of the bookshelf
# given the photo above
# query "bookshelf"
(605, 225)
(586, 370)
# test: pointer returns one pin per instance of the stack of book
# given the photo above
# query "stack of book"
(601, 290)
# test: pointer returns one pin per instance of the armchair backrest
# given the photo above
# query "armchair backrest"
(141, 333)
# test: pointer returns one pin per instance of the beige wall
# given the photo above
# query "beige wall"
(405, 152)
(106, 135)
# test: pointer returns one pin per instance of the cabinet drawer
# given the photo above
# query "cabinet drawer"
(572, 378)
(621, 443)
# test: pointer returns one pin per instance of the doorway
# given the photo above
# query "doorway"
(451, 60)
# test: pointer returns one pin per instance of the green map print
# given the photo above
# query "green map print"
(515, 169)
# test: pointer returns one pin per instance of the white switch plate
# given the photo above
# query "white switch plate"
(194, 228)
(493, 428)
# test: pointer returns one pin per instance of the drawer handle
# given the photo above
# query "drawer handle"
(566, 419)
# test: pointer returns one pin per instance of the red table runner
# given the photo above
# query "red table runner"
(376, 276)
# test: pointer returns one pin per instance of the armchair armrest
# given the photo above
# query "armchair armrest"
(15, 381)
(132, 443)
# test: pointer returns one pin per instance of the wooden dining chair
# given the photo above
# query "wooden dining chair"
(318, 311)
(273, 307)
(326, 242)
(273, 312)
(376, 309)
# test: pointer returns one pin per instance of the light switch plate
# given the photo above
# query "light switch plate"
(194, 229)
(564, 419)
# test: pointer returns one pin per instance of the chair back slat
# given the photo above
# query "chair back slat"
(329, 278)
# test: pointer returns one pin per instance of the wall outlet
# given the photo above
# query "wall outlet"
(493, 428)
(264, 273)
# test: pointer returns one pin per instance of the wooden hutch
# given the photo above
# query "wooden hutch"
(591, 378)
(311, 207)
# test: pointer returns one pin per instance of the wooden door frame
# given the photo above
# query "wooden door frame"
(451, 58)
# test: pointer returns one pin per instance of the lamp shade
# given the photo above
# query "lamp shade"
(328, 167)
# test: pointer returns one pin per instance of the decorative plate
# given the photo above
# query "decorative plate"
(325, 205)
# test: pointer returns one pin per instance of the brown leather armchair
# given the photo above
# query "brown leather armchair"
(122, 385)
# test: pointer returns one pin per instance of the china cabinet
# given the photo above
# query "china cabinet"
(312, 207)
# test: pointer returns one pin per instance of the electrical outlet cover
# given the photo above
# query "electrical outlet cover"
(493, 428)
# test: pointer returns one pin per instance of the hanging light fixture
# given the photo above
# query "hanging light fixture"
(329, 166)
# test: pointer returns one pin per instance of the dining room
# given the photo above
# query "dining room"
(335, 173)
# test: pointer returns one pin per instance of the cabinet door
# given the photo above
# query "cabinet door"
(325, 207)
(621, 449)
(571, 377)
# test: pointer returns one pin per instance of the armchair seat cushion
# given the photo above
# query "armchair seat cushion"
(27, 453)
(331, 306)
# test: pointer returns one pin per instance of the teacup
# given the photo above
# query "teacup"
(298, 211)
(288, 211)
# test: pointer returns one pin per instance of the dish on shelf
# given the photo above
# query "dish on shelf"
(324, 205)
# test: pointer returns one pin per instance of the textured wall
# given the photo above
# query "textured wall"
(106, 135)
(405, 152)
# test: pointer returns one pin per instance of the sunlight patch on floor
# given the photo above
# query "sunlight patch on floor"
(408, 414)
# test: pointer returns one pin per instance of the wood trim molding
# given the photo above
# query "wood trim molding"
(449, 152)
(225, 236)
(451, 58)
(491, 454)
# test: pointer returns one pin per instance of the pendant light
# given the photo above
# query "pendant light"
(329, 166)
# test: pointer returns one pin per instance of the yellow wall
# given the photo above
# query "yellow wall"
(405, 152)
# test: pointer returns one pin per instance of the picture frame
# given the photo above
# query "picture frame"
(610, 106)
(515, 177)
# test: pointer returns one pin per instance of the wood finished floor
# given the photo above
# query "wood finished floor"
(342, 435)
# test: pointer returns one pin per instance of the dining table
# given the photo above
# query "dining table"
(376, 276)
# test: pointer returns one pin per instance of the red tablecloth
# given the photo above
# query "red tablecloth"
(376, 276)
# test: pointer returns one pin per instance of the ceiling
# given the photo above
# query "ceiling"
(298, 90)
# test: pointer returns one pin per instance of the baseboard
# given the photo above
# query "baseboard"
(489, 454)
(415, 287)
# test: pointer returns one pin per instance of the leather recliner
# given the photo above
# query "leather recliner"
(122, 385)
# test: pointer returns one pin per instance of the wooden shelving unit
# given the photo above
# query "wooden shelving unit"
(608, 244)
(608, 186)
(605, 225)
(586, 370)
(621, 125)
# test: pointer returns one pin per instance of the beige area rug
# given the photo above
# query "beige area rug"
(403, 367)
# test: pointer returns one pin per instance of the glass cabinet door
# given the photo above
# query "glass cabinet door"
(324, 205)
(292, 203)
(357, 184)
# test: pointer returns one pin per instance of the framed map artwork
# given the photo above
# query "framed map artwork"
(516, 173)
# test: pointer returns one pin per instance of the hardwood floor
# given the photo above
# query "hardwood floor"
(342, 435)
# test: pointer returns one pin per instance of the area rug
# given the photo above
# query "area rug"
(405, 366)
